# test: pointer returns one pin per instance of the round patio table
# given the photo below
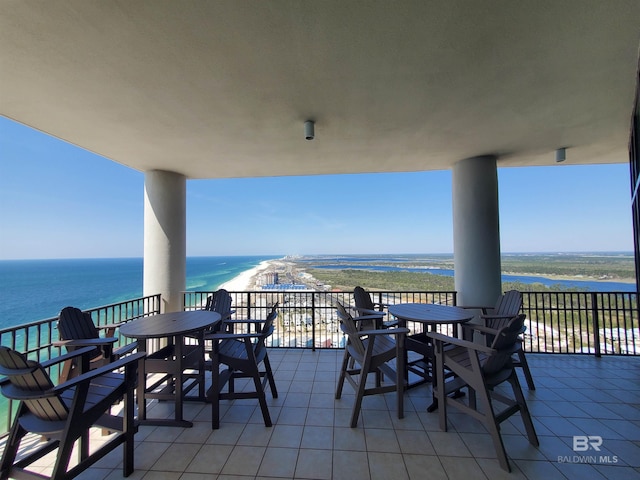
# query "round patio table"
(431, 315)
(170, 360)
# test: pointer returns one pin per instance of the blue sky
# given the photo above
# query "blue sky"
(60, 201)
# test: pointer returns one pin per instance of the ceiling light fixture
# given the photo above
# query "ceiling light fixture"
(561, 155)
(309, 132)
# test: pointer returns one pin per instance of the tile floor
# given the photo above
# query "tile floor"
(311, 439)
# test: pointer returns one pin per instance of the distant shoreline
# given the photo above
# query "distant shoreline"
(248, 280)
(577, 278)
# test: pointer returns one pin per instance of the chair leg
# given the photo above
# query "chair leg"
(524, 410)
(438, 388)
(358, 402)
(201, 370)
(262, 398)
(269, 373)
(525, 367)
(400, 379)
(11, 448)
(129, 427)
(493, 427)
(65, 449)
(362, 385)
(215, 392)
(343, 373)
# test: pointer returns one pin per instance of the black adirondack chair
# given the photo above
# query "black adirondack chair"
(242, 354)
(507, 306)
(64, 413)
(366, 306)
(77, 330)
(481, 369)
(373, 351)
(220, 302)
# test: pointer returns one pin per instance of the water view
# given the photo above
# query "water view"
(36, 289)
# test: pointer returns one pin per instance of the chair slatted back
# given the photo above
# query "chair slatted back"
(219, 302)
(507, 306)
(363, 298)
(504, 343)
(266, 331)
(349, 328)
(29, 382)
(73, 323)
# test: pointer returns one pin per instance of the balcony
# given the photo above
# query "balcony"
(577, 395)
(311, 437)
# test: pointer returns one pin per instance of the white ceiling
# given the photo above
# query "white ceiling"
(222, 88)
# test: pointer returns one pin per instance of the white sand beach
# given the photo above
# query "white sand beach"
(247, 279)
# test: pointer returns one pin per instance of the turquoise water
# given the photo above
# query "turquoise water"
(33, 290)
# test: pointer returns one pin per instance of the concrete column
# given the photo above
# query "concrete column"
(476, 231)
(165, 246)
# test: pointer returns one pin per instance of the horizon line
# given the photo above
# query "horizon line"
(547, 252)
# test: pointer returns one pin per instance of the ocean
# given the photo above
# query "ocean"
(32, 290)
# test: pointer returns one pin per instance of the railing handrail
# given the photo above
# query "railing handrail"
(559, 321)
(601, 323)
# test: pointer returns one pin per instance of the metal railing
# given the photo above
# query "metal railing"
(36, 339)
(590, 323)
(307, 319)
(596, 323)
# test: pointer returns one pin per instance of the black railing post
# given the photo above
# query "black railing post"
(313, 322)
(596, 324)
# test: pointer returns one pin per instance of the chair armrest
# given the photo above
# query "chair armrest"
(125, 349)
(89, 342)
(476, 307)
(380, 305)
(484, 308)
(480, 328)
(66, 356)
(385, 331)
(227, 316)
(491, 315)
(461, 343)
(54, 361)
(110, 367)
(376, 313)
(231, 336)
(367, 317)
(247, 320)
(108, 326)
(230, 324)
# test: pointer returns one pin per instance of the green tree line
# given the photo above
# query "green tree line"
(348, 279)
